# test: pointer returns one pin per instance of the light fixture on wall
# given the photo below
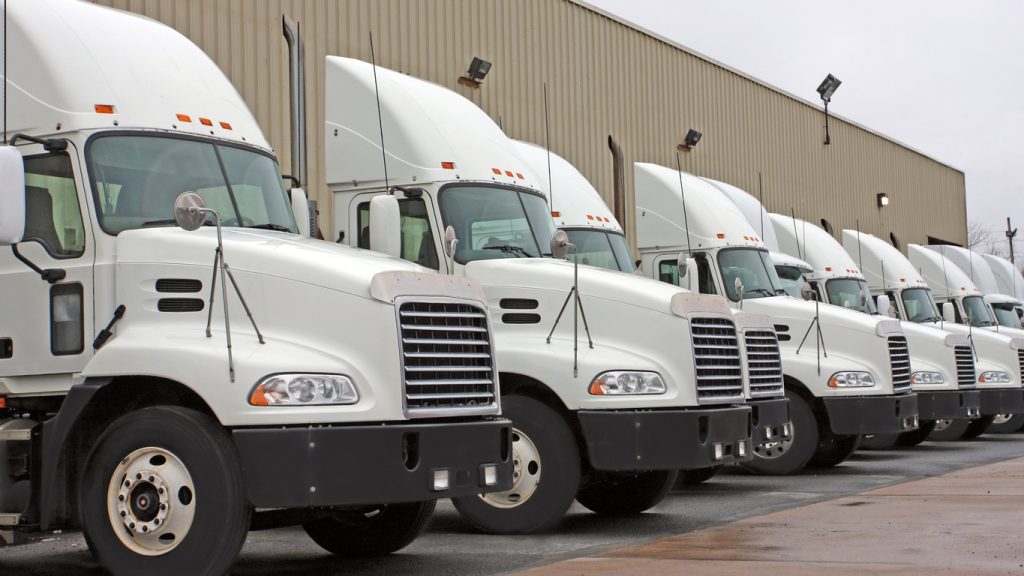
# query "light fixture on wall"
(690, 140)
(478, 70)
(826, 89)
(883, 199)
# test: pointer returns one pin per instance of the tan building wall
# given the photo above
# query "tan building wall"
(604, 78)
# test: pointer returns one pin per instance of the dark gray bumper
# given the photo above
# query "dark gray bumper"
(770, 420)
(872, 414)
(1001, 401)
(949, 404)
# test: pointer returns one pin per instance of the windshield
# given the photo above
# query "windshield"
(1006, 315)
(494, 222)
(851, 293)
(136, 180)
(602, 249)
(977, 312)
(753, 269)
(919, 305)
(792, 280)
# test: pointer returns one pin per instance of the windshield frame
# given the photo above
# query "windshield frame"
(769, 270)
(937, 316)
(543, 247)
(627, 266)
(157, 134)
(988, 313)
(865, 290)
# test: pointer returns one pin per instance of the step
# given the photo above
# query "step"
(7, 519)
(15, 435)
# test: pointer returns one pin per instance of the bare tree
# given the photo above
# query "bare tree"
(978, 237)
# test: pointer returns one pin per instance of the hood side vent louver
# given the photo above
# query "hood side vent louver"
(518, 304)
(520, 318)
(178, 285)
(180, 305)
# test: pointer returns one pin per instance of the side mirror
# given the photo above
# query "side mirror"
(386, 225)
(300, 207)
(12, 196)
(948, 312)
(451, 242)
(559, 244)
(808, 293)
(884, 305)
(738, 284)
(189, 211)
(688, 274)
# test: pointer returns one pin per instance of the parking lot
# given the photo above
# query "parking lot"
(451, 547)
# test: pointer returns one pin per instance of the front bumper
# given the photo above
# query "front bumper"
(770, 420)
(372, 464)
(1001, 401)
(666, 439)
(872, 414)
(949, 404)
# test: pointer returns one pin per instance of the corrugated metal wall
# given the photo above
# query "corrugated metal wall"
(604, 78)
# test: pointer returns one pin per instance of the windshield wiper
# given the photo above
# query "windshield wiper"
(159, 222)
(270, 226)
(510, 249)
(764, 291)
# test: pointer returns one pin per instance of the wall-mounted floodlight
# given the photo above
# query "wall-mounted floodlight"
(826, 89)
(691, 140)
(478, 70)
(883, 199)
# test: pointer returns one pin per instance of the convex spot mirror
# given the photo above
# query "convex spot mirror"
(451, 241)
(12, 196)
(559, 244)
(189, 211)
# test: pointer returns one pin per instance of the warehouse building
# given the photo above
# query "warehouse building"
(608, 82)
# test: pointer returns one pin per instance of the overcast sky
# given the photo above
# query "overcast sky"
(942, 76)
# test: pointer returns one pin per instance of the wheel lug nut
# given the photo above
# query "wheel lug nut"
(151, 479)
(121, 497)
(138, 476)
(123, 514)
(132, 525)
(157, 521)
(163, 506)
(145, 529)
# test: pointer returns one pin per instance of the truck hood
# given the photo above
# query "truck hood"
(782, 307)
(298, 258)
(557, 275)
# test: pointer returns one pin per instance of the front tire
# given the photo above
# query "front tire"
(977, 427)
(1006, 424)
(162, 493)
(834, 449)
(949, 430)
(376, 532)
(789, 456)
(913, 438)
(698, 475)
(623, 494)
(545, 478)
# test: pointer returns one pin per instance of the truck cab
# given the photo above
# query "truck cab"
(846, 374)
(1009, 281)
(578, 209)
(614, 383)
(942, 363)
(1003, 307)
(130, 405)
(997, 357)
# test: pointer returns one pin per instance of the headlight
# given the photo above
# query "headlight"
(851, 380)
(304, 390)
(994, 378)
(927, 378)
(620, 382)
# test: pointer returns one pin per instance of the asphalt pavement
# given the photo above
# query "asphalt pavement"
(450, 546)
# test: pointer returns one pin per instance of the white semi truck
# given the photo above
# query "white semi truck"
(1009, 282)
(1003, 305)
(846, 374)
(942, 363)
(578, 209)
(998, 357)
(129, 404)
(613, 382)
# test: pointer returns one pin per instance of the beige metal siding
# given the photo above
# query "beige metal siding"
(604, 78)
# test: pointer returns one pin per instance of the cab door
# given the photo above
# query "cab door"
(47, 328)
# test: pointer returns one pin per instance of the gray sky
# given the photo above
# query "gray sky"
(968, 55)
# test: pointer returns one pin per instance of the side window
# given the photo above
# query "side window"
(707, 279)
(668, 271)
(417, 237)
(53, 216)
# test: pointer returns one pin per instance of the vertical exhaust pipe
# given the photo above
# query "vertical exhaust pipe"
(618, 184)
(297, 92)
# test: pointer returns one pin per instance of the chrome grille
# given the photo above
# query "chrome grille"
(764, 363)
(447, 359)
(965, 375)
(716, 358)
(1020, 361)
(899, 358)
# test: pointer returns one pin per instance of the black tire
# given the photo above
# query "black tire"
(555, 471)
(213, 493)
(376, 532)
(624, 494)
(834, 449)
(1012, 426)
(911, 439)
(879, 441)
(697, 475)
(977, 427)
(791, 459)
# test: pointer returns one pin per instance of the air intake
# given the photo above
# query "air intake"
(764, 364)
(447, 359)
(178, 285)
(716, 357)
(180, 305)
(899, 358)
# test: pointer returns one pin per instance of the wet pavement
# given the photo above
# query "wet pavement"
(885, 511)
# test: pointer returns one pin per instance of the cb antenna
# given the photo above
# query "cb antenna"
(547, 146)
(380, 121)
(796, 234)
(682, 193)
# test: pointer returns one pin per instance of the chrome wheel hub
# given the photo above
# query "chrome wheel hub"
(772, 450)
(1002, 418)
(526, 470)
(942, 425)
